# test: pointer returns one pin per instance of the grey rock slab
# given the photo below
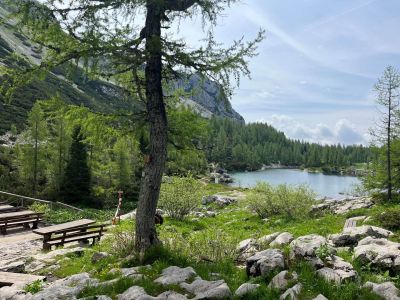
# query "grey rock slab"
(307, 245)
(281, 281)
(246, 288)
(386, 290)
(67, 288)
(380, 253)
(351, 236)
(175, 275)
(135, 293)
(337, 270)
(265, 262)
(267, 239)
(11, 293)
(281, 240)
(203, 289)
(292, 293)
(170, 295)
(14, 267)
(320, 297)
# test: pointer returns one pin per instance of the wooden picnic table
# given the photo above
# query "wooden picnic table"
(69, 232)
(21, 213)
(6, 207)
(18, 219)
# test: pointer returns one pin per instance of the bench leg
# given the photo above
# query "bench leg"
(3, 230)
(46, 246)
(35, 225)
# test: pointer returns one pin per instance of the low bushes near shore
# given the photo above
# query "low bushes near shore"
(209, 246)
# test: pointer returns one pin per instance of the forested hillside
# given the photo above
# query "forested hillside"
(239, 147)
(74, 86)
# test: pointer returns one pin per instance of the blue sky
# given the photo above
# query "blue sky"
(315, 73)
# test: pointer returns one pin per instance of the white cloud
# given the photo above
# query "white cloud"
(343, 132)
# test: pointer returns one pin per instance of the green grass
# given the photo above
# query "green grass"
(208, 245)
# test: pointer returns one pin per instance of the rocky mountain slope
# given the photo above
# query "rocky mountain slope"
(74, 87)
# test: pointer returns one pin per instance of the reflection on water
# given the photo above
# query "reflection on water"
(323, 185)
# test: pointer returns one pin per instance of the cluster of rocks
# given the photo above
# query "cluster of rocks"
(220, 176)
(342, 206)
(249, 247)
(219, 200)
(371, 246)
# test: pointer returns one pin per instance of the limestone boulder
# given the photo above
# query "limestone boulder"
(246, 288)
(265, 262)
(282, 239)
(175, 275)
(203, 289)
(292, 293)
(307, 246)
(386, 290)
(351, 236)
(282, 280)
(379, 253)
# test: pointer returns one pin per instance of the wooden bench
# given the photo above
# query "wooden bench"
(9, 208)
(75, 231)
(19, 219)
(83, 234)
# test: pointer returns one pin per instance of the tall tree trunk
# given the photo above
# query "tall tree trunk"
(389, 145)
(35, 158)
(146, 234)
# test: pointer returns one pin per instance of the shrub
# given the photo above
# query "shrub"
(39, 207)
(180, 196)
(390, 218)
(288, 201)
(34, 287)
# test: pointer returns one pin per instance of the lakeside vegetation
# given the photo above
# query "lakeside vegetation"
(209, 245)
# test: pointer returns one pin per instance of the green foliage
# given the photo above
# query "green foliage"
(39, 207)
(76, 184)
(181, 196)
(289, 202)
(34, 287)
(238, 146)
(390, 218)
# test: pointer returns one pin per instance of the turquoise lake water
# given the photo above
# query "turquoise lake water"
(324, 185)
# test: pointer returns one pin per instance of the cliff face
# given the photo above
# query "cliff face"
(74, 87)
(209, 96)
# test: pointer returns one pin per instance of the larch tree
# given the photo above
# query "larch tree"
(386, 131)
(134, 43)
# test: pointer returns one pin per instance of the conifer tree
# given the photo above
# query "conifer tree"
(76, 186)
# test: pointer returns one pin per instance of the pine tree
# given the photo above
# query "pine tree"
(77, 178)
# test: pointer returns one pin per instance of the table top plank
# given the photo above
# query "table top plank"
(17, 214)
(6, 207)
(68, 225)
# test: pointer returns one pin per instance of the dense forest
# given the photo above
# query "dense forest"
(68, 152)
(248, 147)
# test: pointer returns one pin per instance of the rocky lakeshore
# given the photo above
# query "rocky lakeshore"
(275, 264)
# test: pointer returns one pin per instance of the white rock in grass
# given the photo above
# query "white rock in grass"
(246, 288)
(135, 293)
(203, 289)
(281, 240)
(169, 295)
(320, 297)
(267, 239)
(265, 262)
(282, 280)
(386, 290)
(292, 293)
(175, 275)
